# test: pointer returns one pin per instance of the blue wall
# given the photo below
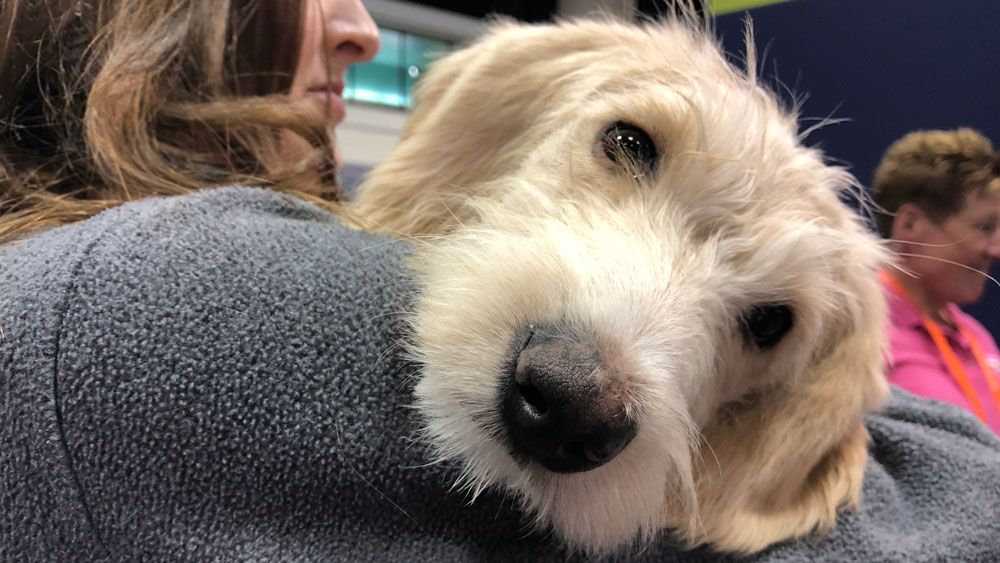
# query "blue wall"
(891, 66)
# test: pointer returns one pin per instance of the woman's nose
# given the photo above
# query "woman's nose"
(351, 33)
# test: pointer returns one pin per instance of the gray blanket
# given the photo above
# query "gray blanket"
(218, 377)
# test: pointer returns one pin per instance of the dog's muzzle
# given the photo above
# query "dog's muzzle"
(561, 406)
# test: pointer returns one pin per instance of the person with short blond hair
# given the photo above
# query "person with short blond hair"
(939, 194)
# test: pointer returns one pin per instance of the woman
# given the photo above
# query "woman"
(217, 376)
(942, 189)
(108, 101)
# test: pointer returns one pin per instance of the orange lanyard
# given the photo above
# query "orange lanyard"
(948, 355)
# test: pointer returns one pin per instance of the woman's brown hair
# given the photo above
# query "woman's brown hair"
(108, 101)
(934, 170)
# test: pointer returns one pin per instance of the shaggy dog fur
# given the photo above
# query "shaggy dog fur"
(523, 216)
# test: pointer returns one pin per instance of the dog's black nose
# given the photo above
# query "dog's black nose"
(562, 407)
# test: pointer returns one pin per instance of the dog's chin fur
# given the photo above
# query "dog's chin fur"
(521, 219)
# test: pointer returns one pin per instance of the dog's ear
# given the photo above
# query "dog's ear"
(781, 465)
(474, 109)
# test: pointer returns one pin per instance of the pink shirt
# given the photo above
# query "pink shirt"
(916, 364)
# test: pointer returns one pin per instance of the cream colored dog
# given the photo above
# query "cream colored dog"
(643, 306)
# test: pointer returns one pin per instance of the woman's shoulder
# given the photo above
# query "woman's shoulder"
(230, 258)
(182, 252)
(236, 214)
(202, 227)
(207, 336)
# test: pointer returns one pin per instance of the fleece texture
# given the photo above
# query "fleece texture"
(220, 377)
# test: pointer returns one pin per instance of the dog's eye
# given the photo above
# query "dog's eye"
(629, 147)
(766, 325)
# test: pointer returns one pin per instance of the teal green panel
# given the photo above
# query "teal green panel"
(380, 84)
(379, 81)
(419, 52)
(389, 77)
(390, 48)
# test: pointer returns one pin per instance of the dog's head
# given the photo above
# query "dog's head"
(643, 304)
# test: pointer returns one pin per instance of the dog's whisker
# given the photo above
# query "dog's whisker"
(413, 441)
(903, 270)
(703, 441)
(953, 263)
(340, 443)
(431, 463)
(932, 245)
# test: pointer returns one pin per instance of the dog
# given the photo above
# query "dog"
(643, 306)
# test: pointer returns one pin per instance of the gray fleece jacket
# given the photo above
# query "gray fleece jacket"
(217, 377)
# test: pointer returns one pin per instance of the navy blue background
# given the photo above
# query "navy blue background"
(890, 66)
